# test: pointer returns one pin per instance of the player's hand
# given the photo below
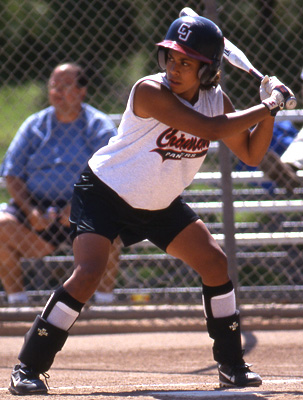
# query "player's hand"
(274, 94)
(274, 103)
(287, 96)
(265, 90)
(269, 84)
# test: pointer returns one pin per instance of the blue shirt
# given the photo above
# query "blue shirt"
(49, 155)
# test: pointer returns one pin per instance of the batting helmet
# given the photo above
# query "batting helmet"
(198, 38)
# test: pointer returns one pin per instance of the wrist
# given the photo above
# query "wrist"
(272, 106)
(29, 212)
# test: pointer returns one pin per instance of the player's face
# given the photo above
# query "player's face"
(63, 92)
(182, 74)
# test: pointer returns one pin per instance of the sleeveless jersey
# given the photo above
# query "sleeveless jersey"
(149, 163)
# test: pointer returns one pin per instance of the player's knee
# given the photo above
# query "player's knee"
(221, 262)
(8, 226)
(214, 264)
(88, 277)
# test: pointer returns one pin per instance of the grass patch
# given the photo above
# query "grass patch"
(16, 104)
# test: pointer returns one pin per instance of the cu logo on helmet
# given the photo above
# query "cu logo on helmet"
(184, 32)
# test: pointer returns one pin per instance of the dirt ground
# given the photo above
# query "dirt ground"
(162, 366)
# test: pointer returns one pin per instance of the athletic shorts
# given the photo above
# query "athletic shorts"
(55, 234)
(96, 208)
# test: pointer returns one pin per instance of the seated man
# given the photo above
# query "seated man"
(46, 157)
(276, 163)
(293, 156)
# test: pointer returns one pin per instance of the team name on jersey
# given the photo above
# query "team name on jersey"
(175, 145)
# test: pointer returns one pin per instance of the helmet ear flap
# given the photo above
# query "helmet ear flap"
(207, 73)
(162, 57)
(201, 72)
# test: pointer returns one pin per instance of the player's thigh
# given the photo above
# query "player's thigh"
(196, 247)
(16, 236)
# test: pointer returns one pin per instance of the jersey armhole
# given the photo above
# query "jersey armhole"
(132, 96)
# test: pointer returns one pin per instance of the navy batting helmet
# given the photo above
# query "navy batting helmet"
(198, 38)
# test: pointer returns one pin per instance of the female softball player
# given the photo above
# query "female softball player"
(132, 188)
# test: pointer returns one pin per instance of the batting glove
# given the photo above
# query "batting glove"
(271, 84)
(268, 84)
(274, 94)
(275, 102)
(265, 90)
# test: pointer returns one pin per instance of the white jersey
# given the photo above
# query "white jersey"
(149, 163)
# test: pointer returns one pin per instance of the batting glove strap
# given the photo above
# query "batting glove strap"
(284, 90)
(275, 102)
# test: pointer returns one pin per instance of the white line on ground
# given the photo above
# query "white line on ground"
(183, 393)
(201, 393)
(278, 381)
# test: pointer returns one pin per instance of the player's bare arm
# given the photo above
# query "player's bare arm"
(250, 146)
(153, 100)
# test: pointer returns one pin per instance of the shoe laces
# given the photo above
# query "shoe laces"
(30, 373)
(46, 377)
(245, 367)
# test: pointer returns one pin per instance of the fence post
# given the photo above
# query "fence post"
(226, 183)
(228, 213)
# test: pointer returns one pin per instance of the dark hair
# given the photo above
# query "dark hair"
(214, 83)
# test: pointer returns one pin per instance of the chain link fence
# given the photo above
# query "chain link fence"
(115, 42)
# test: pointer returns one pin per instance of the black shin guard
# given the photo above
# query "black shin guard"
(226, 332)
(41, 343)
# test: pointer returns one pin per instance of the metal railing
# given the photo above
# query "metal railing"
(115, 42)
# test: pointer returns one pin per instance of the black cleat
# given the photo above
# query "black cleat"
(25, 381)
(237, 376)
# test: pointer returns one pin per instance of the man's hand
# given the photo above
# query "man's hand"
(64, 215)
(38, 220)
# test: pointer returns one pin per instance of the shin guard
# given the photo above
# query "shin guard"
(41, 343)
(226, 332)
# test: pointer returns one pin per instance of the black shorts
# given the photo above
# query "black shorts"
(96, 208)
(55, 234)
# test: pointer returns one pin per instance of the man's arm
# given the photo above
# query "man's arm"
(19, 192)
